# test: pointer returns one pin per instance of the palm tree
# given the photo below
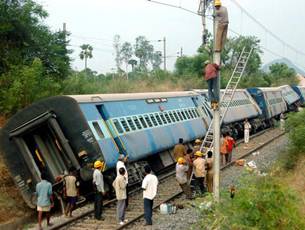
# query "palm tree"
(85, 53)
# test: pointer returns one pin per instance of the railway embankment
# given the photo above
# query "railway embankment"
(12, 207)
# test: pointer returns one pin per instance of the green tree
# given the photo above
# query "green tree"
(126, 54)
(23, 37)
(156, 60)
(191, 65)
(133, 63)
(24, 84)
(86, 53)
(234, 47)
(281, 74)
(144, 51)
(118, 51)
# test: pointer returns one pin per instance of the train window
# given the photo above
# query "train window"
(149, 101)
(136, 121)
(118, 126)
(193, 111)
(183, 114)
(176, 116)
(192, 116)
(171, 116)
(196, 111)
(158, 119)
(98, 129)
(163, 118)
(187, 114)
(131, 124)
(143, 122)
(180, 116)
(167, 118)
(147, 120)
(153, 119)
(124, 124)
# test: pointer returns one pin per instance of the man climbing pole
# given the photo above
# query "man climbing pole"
(211, 76)
(222, 21)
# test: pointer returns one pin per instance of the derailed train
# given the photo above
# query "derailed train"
(56, 133)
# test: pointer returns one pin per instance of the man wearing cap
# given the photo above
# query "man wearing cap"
(98, 182)
(222, 22)
(181, 176)
(121, 164)
(211, 73)
(199, 170)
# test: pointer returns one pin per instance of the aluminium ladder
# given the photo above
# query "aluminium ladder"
(227, 96)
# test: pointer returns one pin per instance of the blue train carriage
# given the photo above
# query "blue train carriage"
(145, 125)
(50, 135)
(270, 101)
(241, 107)
(300, 90)
(291, 98)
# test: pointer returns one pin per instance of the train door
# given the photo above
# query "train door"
(44, 148)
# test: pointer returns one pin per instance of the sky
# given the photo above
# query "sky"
(96, 22)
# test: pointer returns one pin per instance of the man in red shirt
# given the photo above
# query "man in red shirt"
(211, 76)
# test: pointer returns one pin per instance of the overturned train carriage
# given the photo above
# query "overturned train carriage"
(59, 132)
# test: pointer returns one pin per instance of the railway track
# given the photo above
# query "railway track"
(168, 190)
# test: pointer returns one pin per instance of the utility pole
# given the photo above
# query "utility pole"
(164, 53)
(181, 52)
(203, 4)
(216, 118)
(64, 29)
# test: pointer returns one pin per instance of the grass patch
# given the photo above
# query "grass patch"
(267, 202)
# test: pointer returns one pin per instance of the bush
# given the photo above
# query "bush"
(259, 203)
(296, 128)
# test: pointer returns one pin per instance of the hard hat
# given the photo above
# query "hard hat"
(199, 154)
(181, 160)
(197, 141)
(217, 3)
(206, 62)
(98, 164)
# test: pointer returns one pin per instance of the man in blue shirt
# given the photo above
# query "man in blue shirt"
(44, 192)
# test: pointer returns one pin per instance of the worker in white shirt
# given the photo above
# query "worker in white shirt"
(98, 182)
(149, 186)
(122, 160)
(247, 127)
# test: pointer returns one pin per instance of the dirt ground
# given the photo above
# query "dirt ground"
(11, 203)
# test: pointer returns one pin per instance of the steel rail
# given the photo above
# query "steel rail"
(133, 220)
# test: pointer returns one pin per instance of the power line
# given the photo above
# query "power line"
(250, 16)
(266, 29)
(174, 6)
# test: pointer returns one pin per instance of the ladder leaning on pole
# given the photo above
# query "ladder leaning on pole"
(227, 96)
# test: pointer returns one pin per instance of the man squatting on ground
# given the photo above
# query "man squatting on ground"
(181, 176)
(149, 186)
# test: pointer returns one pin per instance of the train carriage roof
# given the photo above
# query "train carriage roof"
(129, 96)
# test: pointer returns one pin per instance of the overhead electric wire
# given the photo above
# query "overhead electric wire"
(174, 6)
(265, 28)
(254, 19)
